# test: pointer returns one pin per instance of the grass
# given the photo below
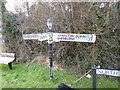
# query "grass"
(0, 69)
(37, 76)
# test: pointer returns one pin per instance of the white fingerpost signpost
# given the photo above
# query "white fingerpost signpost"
(57, 37)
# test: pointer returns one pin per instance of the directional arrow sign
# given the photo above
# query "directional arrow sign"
(30, 36)
(40, 37)
(74, 37)
(108, 72)
(57, 37)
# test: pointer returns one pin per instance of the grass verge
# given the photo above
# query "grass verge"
(37, 76)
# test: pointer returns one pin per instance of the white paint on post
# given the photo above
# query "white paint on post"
(49, 24)
(50, 37)
(74, 37)
(108, 72)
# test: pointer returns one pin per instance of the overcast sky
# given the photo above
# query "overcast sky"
(11, 4)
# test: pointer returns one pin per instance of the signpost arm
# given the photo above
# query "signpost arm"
(50, 39)
(94, 77)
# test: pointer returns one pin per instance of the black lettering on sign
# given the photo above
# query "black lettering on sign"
(31, 36)
(111, 72)
(100, 71)
(90, 37)
(85, 37)
(107, 72)
(116, 73)
(80, 36)
(65, 37)
(42, 37)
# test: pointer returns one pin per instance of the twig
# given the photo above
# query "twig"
(80, 77)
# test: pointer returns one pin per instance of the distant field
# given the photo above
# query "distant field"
(37, 76)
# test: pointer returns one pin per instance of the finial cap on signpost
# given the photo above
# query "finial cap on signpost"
(94, 66)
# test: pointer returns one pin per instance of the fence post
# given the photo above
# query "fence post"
(94, 77)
